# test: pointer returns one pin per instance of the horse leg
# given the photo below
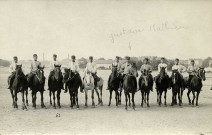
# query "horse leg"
(193, 97)
(133, 94)
(77, 99)
(197, 98)
(160, 98)
(148, 99)
(189, 100)
(110, 97)
(126, 94)
(120, 97)
(142, 98)
(165, 97)
(54, 100)
(97, 93)
(172, 98)
(26, 92)
(179, 97)
(129, 99)
(58, 98)
(13, 104)
(16, 98)
(92, 96)
(50, 95)
(71, 99)
(101, 95)
(116, 97)
(42, 102)
(86, 98)
(23, 101)
(34, 99)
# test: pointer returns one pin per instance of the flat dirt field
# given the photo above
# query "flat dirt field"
(103, 119)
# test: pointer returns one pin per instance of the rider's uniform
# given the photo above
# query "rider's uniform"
(12, 73)
(91, 68)
(52, 66)
(191, 71)
(148, 68)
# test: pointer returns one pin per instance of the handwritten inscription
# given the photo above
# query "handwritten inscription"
(154, 27)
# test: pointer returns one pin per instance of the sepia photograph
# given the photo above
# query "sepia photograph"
(105, 67)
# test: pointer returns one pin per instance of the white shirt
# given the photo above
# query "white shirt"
(52, 63)
(35, 65)
(192, 69)
(74, 66)
(126, 67)
(13, 66)
(91, 67)
(180, 68)
(162, 65)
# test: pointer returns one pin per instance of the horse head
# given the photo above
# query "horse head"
(162, 73)
(18, 70)
(88, 78)
(57, 72)
(175, 76)
(40, 73)
(201, 74)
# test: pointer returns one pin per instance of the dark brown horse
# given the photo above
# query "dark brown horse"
(129, 86)
(114, 85)
(175, 83)
(162, 85)
(145, 85)
(55, 85)
(73, 83)
(196, 85)
(37, 84)
(19, 85)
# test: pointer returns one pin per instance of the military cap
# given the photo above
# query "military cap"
(54, 55)
(127, 58)
(35, 55)
(90, 57)
(117, 57)
(176, 59)
(162, 58)
(73, 57)
(15, 57)
(192, 60)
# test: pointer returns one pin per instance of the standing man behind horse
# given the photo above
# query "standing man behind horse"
(74, 68)
(91, 68)
(180, 69)
(146, 66)
(12, 70)
(115, 64)
(192, 69)
(33, 68)
(54, 63)
(161, 65)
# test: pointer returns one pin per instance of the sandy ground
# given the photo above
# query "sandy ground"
(103, 119)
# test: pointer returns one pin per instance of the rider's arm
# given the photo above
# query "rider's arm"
(183, 68)
(11, 68)
(51, 66)
(31, 67)
(159, 68)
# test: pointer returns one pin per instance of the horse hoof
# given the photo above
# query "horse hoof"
(51, 104)
(148, 105)
(78, 106)
(108, 104)
(71, 106)
(93, 104)
(197, 104)
(59, 106)
(134, 108)
(125, 108)
(54, 107)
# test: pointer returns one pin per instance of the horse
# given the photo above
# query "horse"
(196, 85)
(175, 83)
(145, 86)
(114, 85)
(73, 83)
(37, 84)
(19, 85)
(55, 85)
(129, 86)
(162, 85)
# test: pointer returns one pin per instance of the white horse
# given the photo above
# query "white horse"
(88, 83)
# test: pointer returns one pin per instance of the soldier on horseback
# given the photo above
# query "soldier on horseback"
(126, 68)
(33, 68)
(191, 71)
(91, 68)
(161, 65)
(54, 63)
(180, 69)
(12, 70)
(74, 67)
(115, 64)
(146, 67)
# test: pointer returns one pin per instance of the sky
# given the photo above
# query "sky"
(173, 29)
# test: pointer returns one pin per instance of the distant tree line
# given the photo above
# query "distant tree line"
(4, 63)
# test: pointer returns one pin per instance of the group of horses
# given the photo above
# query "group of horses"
(117, 83)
